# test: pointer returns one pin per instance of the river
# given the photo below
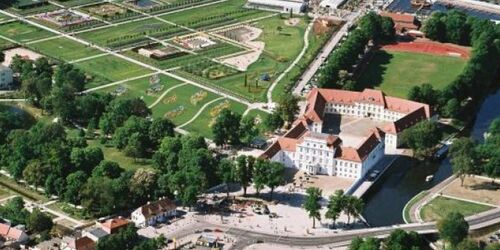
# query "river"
(385, 200)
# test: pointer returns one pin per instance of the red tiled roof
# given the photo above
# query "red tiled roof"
(84, 243)
(398, 17)
(4, 229)
(157, 207)
(406, 121)
(114, 224)
(373, 96)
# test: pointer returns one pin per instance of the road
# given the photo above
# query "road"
(247, 237)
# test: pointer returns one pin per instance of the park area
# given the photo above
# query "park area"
(440, 206)
(22, 32)
(478, 194)
(396, 71)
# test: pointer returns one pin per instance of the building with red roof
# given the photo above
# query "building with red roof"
(403, 22)
(309, 146)
(12, 236)
(154, 212)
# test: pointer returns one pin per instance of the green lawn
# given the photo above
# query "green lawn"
(407, 208)
(4, 43)
(125, 162)
(439, 207)
(179, 99)
(64, 49)
(396, 73)
(4, 17)
(71, 3)
(112, 68)
(23, 32)
(220, 14)
(101, 36)
(202, 124)
(138, 88)
(259, 117)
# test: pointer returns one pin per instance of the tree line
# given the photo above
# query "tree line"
(371, 27)
(453, 230)
(468, 157)
(481, 72)
(338, 203)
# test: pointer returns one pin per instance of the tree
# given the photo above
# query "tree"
(244, 171)
(135, 147)
(35, 173)
(288, 107)
(452, 108)
(248, 131)
(109, 169)
(143, 184)
(275, 176)
(38, 221)
(435, 27)
(98, 196)
(468, 244)
(259, 174)
(453, 228)
(353, 207)
(424, 93)
(422, 137)
(336, 204)
(14, 211)
(159, 129)
(312, 205)
(366, 244)
(2, 57)
(126, 238)
(462, 166)
(226, 128)
(402, 240)
(74, 184)
(226, 172)
(495, 246)
(273, 121)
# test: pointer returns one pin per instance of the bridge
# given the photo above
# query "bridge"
(343, 238)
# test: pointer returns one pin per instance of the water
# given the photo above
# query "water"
(405, 6)
(386, 200)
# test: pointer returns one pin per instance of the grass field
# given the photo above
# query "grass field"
(4, 43)
(125, 162)
(4, 17)
(100, 36)
(138, 88)
(439, 207)
(179, 99)
(64, 49)
(396, 73)
(259, 117)
(22, 32)
(202, 124)
(112, 68)
(214, 15)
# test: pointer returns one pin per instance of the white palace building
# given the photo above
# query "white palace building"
(311, 146)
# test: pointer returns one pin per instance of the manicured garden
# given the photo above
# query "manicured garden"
(129, 32)
(112, 68)
(4, 43)
(396, 73)
(23, 32)
(215, 15)
(4, 18)
(64, 49)
(144, 88)
(440, 206)
(182, 103)
(202, 125)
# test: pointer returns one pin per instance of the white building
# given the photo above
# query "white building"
(5, 77)
(277, 5)
(331, 4)
(154, 212)
(307, 147)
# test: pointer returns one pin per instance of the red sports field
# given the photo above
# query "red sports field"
(429, 47)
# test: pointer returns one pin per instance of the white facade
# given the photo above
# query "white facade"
(305, 147)
(276, 5)
(5, 77)
(142, 220)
